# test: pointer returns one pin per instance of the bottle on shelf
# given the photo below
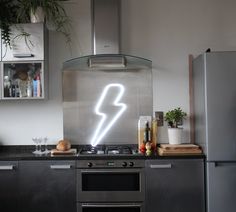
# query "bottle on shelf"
(29, 87)
(7, 86)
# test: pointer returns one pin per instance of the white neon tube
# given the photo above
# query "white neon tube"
(99, 133)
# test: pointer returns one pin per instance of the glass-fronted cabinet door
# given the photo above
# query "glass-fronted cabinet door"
(23, 80)
(27, 43)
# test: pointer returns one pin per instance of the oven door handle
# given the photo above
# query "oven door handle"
(110, 205)
(112, 171)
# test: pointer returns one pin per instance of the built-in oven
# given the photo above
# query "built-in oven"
(110, 185)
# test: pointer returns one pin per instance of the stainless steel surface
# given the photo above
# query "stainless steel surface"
(106, 26)
(111, 205)
(83, 88)
(109, 61)
(160, 166)
(60, 166)
(127, 207)
(110, 163)
(221, 182)
(102, 170)
(215, 103)
(108, 150)
(7, 167)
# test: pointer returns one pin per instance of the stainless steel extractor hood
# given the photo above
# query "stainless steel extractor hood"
(105, 26)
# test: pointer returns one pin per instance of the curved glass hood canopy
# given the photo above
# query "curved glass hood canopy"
(107, 61)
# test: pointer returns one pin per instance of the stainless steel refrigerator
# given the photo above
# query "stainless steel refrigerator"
(214, 83)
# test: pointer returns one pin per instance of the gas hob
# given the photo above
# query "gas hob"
(108, 150)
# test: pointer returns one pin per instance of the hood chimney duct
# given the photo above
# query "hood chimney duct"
(105, 26)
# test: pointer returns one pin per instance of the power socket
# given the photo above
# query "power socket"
(160, 118)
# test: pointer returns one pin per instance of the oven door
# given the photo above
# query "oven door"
(110, 207)
(110, 185)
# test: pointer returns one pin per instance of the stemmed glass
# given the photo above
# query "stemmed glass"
(46, 151)
(36, 141)
(40, 139)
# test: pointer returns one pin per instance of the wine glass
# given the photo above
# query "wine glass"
(40, 139)
(36, 141)
(46, 151)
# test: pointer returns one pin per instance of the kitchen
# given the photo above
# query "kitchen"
(164, 32)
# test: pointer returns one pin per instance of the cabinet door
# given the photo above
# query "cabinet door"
(47, 186)
(221, 184)
(27, 43)
(175, 185)
(8, 186)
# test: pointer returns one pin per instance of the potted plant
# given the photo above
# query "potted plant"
(48, 11)
(8, 17)
(174, 118)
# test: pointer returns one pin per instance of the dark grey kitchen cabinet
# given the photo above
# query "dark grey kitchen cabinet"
(175, 185)
(47, 186)
(8, 186)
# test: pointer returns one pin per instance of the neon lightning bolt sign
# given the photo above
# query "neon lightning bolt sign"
(100, 133)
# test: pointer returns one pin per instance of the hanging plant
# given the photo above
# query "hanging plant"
(8, 17)
(53, 11)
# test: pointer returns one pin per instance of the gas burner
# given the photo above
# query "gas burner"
(120, 150)
(91, 150)
(106, 149)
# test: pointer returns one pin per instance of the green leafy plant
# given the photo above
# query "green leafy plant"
(53, 10)
(8, 17)
(174, 117)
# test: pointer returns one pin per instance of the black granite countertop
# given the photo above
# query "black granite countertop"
(22, 152)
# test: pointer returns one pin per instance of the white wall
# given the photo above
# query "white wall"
(165, 31)
(22, 120)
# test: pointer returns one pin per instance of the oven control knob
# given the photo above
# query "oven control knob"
(131, 164)
(90, 164)
(124, 164)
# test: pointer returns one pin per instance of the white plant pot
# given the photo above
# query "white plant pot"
(38, 16)
(175, 135)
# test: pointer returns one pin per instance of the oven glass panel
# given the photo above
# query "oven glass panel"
(112, 209)
(110, 182)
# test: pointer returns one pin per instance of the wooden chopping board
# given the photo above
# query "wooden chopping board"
(179, 146)
(68, 152)
(180, 149)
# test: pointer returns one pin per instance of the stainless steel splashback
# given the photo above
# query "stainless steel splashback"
(102, 104)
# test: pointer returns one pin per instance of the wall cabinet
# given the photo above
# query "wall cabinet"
(47, 186)
(23, 69)
(8, 186)
(175, 185)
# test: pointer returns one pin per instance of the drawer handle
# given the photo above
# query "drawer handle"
(23, 55)
(9, 167)
(60, 166)
(110, 205)
(161, 166)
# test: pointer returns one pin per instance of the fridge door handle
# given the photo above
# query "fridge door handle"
(220, 164)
